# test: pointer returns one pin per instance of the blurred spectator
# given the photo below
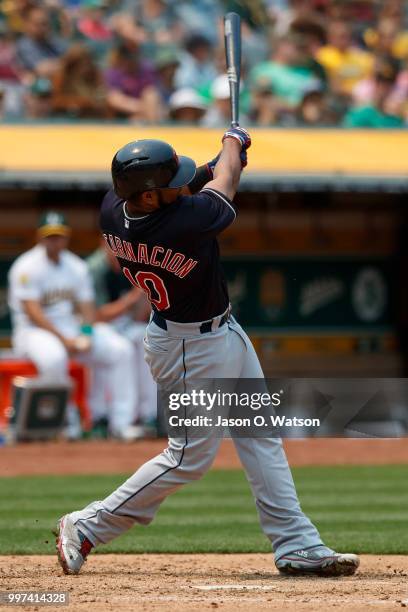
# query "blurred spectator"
(219, 113)
(265, 107)
(38, 99)
(196, 63)
(186, 106)
(60, 20)
(288, 74)
(311, 109)
(13, 12)
(126, 29)
(159, 23)
(341, 10)
(256, 45)
(283, 13)
(345, 63)
(313, 31)
(8, 61)
(396, 10)
(388, 39)
(2, 95)
(38, 50)
(313, 36)
(378, 113)
(10, 73)
(93, 29)
(166, 64)
(132, 89)
(200, 16)
(315, 110)
(388, 69)
(79, 88)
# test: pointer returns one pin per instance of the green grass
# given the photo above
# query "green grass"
(362, 509)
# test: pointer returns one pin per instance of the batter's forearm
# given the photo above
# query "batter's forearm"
(229, 163)
(227, 172)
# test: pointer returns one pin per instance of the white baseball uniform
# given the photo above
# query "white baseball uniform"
(58, 287)
(145, 387)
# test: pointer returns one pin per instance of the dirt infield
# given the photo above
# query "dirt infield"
(202, 582)
(107, 457)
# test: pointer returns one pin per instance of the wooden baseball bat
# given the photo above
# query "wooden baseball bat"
(232, 37)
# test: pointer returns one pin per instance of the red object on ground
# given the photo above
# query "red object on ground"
(10, 368)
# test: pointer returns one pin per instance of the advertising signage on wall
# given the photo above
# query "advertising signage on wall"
(320, 294)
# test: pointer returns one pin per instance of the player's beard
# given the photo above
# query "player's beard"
(162, 203)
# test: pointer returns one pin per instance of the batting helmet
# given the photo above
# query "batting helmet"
(142, 165)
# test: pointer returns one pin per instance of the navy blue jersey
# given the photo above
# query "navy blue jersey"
(173, 253)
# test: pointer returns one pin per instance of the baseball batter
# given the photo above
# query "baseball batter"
(165, 240)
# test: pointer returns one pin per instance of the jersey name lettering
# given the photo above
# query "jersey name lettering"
(176, 263)
(49, 298)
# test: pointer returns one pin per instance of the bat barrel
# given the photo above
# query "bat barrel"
(232, 30)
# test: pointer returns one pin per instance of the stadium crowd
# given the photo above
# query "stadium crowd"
(305, 62)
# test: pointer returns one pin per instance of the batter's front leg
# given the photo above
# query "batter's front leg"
(138, 499)
(280, 515)
(269, 475)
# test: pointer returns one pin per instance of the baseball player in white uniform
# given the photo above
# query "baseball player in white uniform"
(51, 296)
(127, 310)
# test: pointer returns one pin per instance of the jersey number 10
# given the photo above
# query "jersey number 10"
(152, 285)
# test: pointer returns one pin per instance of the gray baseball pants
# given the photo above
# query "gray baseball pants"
(183, 353)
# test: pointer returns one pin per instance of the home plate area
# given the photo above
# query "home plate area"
(199, 582)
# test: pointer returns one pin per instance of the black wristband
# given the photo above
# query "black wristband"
(202, 176)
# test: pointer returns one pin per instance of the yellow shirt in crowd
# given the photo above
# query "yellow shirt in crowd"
(399, 47)
(345, 68)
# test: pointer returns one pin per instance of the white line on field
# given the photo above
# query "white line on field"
(308, 599)
(236, 587)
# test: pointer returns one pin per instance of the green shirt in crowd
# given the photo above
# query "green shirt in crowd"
(371, 117)
(287, 82)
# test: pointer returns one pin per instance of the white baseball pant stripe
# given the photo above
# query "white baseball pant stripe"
(184, 354)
